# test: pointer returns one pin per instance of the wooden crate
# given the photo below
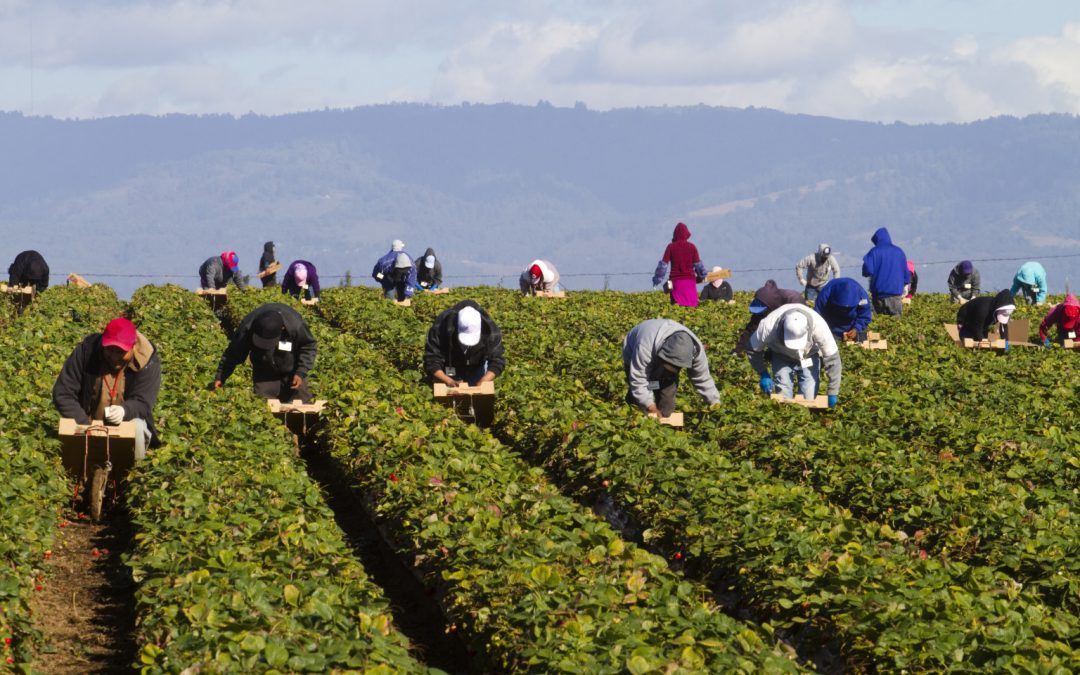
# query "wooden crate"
(474, 404)
(298, 417)
(89, 445)
(819, 403)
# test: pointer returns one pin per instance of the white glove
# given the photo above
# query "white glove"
(114, 414)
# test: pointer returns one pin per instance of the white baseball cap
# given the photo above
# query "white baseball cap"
(468, 326)
(397, 245)
(429, 262)
(1004, 313)
(795, 329)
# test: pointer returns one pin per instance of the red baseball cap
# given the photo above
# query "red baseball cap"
(120, 333)
(535, 272)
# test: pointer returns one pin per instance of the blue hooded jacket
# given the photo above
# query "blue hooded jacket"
(886, 265)
(1031, 274)
(844, 305)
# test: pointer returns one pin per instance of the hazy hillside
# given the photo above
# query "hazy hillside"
(490, 187)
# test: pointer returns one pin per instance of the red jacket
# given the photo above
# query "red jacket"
(1059, 316)
(681, 254)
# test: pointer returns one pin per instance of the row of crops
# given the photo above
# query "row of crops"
(928, 523)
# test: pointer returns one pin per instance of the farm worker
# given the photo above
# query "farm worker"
(845, 306)
(719, 289)
(964, 282)
(976, 318)
(395, 273)
(112, 376)
(814, 270)
(800, 341)
(767, 299)
(428, 271)
(1065, 317)
(1030, 280)
(540, 275)
(29, 268)
(886, 265)
(282, 352)
(301, 278)
(464, 346)
(909, 291)
(654, 353)
(219, 270)
(686, 268)
(265, 261)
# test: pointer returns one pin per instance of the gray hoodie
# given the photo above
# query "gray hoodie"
(640, 349)
(814, 269)
(214, 274)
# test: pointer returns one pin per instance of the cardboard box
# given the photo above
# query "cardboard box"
(407, 302)
(270, 269)
(551, 294)
(298, 417)
(873, 341)
(819, 403)
(76, 280)
(1070, 344)
(675, 419)
(472, 404)
(313, 301)
(438, 291)
(82, 447)
(713, 276)
(217, 297)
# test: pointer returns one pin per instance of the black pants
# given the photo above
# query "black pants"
(664, 397)
(280, 390)
(269, 281)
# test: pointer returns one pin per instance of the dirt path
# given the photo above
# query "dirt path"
(86, 606)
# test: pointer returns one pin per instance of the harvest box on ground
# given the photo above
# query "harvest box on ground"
(819, 403)
(675, 419)
(218, 297)
(1070, 344)
(20, 295)
(407, 302)
(873, 341)
(298, 417)
(472, 404)
(438, 291)
(1019, 332)
(551, 294)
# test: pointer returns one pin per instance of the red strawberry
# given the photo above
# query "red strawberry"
(393, 477)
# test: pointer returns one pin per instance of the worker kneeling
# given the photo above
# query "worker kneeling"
(112, 376)
(282, 352)
(845, 306)
(464, 346)
(654, 353)
(978, 317)
(800, 341)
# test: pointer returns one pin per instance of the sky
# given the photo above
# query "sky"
(914, 61)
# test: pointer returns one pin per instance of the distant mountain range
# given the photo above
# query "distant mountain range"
(491, 187)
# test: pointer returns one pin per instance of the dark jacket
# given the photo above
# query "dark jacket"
(682, 256)
(214, 274)
(267, 258)
(425, 277)
(886, 265)
(442, 348)
(958, 279)
(710, 292)
(277, 365)
(78, 387)
(390, 277)
(292, 287)
(773, 298)
(844, 305)
(29, 268)
(976, 318)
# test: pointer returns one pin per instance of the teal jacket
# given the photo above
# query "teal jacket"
(1031, 274)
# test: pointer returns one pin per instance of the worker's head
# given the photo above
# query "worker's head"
(796, 330)
(1004, 313)
(823, 253)
(397, 245)
(966, 267)
(1071, 312)
(118, 343)
(267, 330)
(536, 275)
(468, 326)
(429, 262)
(231, 260)
(299, 271)
(402, 261)
(677, 351)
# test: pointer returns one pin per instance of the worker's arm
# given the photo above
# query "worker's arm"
(800, 271)
(68, 387)
(702, 378)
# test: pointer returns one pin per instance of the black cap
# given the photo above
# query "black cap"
(266, 330)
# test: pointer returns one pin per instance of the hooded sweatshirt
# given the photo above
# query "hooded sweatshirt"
(78, 392)
(815, 269)
(29, 267)
(442, 349)
(384, 273)
(773, 298)
(290, 285)
(770, 335)
(1067, 327)
(641, 363)
(279, 364)
(214, 274)
(682, 256)
(977, 317)
(964, 285)
(1033, 275)
(429, 277)
(549, 277)
(886, 265)
(267, 258)
(844, 305)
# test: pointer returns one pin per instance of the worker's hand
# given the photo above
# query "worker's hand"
(833, 399)
(297, 382)
(114, 414)
(1006, 346)
(215, 385)
(849, 335)
(1046, 343)
(766, 383)
(653, 410)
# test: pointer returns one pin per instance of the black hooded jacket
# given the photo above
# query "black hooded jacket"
(976, 317)
(267, 258)
(442, 348)
(432, 277)
(710, 292)
(29, 268)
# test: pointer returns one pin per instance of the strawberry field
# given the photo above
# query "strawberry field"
(929, 522)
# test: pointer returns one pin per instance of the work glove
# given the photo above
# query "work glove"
(114, 414)
(1046, 343)
(1006, 346)
(766, 383)
(833, 398)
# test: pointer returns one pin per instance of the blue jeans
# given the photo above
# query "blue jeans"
(786, 371)
(811, 293)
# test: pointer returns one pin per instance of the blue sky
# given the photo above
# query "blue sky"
(910, 60)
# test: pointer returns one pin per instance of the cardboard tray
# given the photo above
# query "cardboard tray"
(313, 301)
(722, 274)
(551, 294)
(1070, 344)
(407, 302)
(1019, 334)
(17, 290)
(873, 341)
(119, 440)
(211, 291)
(270, 269)
(298, 417)
(440, 390)
(675, 419)
(77, 281)
(819, 403)
(475, 404)
(438, 291)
